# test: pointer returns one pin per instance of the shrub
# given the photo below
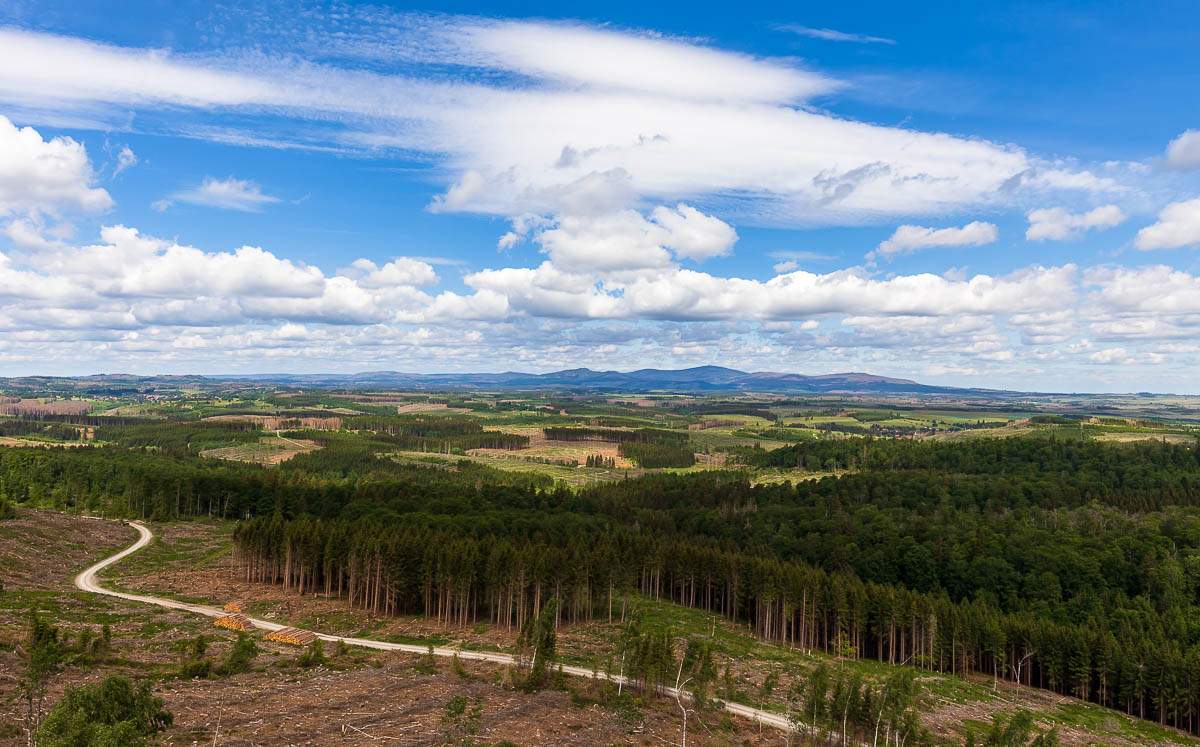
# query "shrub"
(313, 656)
(112, 713)
(240, 656)
(195, 664)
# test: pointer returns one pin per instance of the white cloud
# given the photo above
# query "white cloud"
(1054, 177)
(227, 194)
(625, 240)
(687, 294)
(1157, 289)
(834, 35)
(1046, 327)
(38, 175)
(1178, 226)
(694, 121)
(596, 57)
(141, 280)
(692, 234)
(1118, 356)
(44, 69)
(597, 167)
(1057, 224)
(907, 239)
(800, 256)
(399, 271)
(613, 241)
(1184, 151)
(126, 159)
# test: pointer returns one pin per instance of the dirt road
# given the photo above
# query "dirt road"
(87, 582)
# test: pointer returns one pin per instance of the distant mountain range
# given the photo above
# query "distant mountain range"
(698, 379)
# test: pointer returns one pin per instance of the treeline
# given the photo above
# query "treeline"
(726, 408)
(180, 437)
(344, 478)
(436, 433)
(460, 573)
(15, 428)
(656, 455)
(92, 420)
(991, 456)
(638, 436)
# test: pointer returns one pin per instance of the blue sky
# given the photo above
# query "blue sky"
(1003, 196)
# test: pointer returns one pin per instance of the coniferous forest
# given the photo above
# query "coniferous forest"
(1065, 564)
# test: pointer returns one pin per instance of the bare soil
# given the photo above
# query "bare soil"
(363, 698)
(43, 550)
(398, 703)
(359, 698)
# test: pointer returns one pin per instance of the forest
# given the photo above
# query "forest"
(1063, 564)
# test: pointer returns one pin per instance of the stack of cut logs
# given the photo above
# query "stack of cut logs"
(234, 622)
(294, 636)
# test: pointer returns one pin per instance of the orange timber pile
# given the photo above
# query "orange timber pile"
(293, 636)
(234, 622)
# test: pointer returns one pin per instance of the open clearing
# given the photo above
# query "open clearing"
(282, 422)
(16, 406)
(38, 444)
(573, 476)
(193, 561)
(356, 698)
(542, 448)
(270, 450)
(1171, 438)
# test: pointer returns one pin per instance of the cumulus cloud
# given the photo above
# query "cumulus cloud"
(1184, 151)
(399, 271)
(134, 280)
(688, 294)
(1178, 226)
(588, 237)
(693, 235)
(907, 239)
(1058, 224)
(1109, 356)
(227, 194)
(1156, 289)
(39, 175)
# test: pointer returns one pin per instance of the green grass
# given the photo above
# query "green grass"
(572, 476)
(181, 552)
(1107, 722)
(736, 642)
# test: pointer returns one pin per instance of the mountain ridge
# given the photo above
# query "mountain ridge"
(709, 378)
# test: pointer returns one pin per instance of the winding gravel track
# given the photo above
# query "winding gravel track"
(87, 582)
